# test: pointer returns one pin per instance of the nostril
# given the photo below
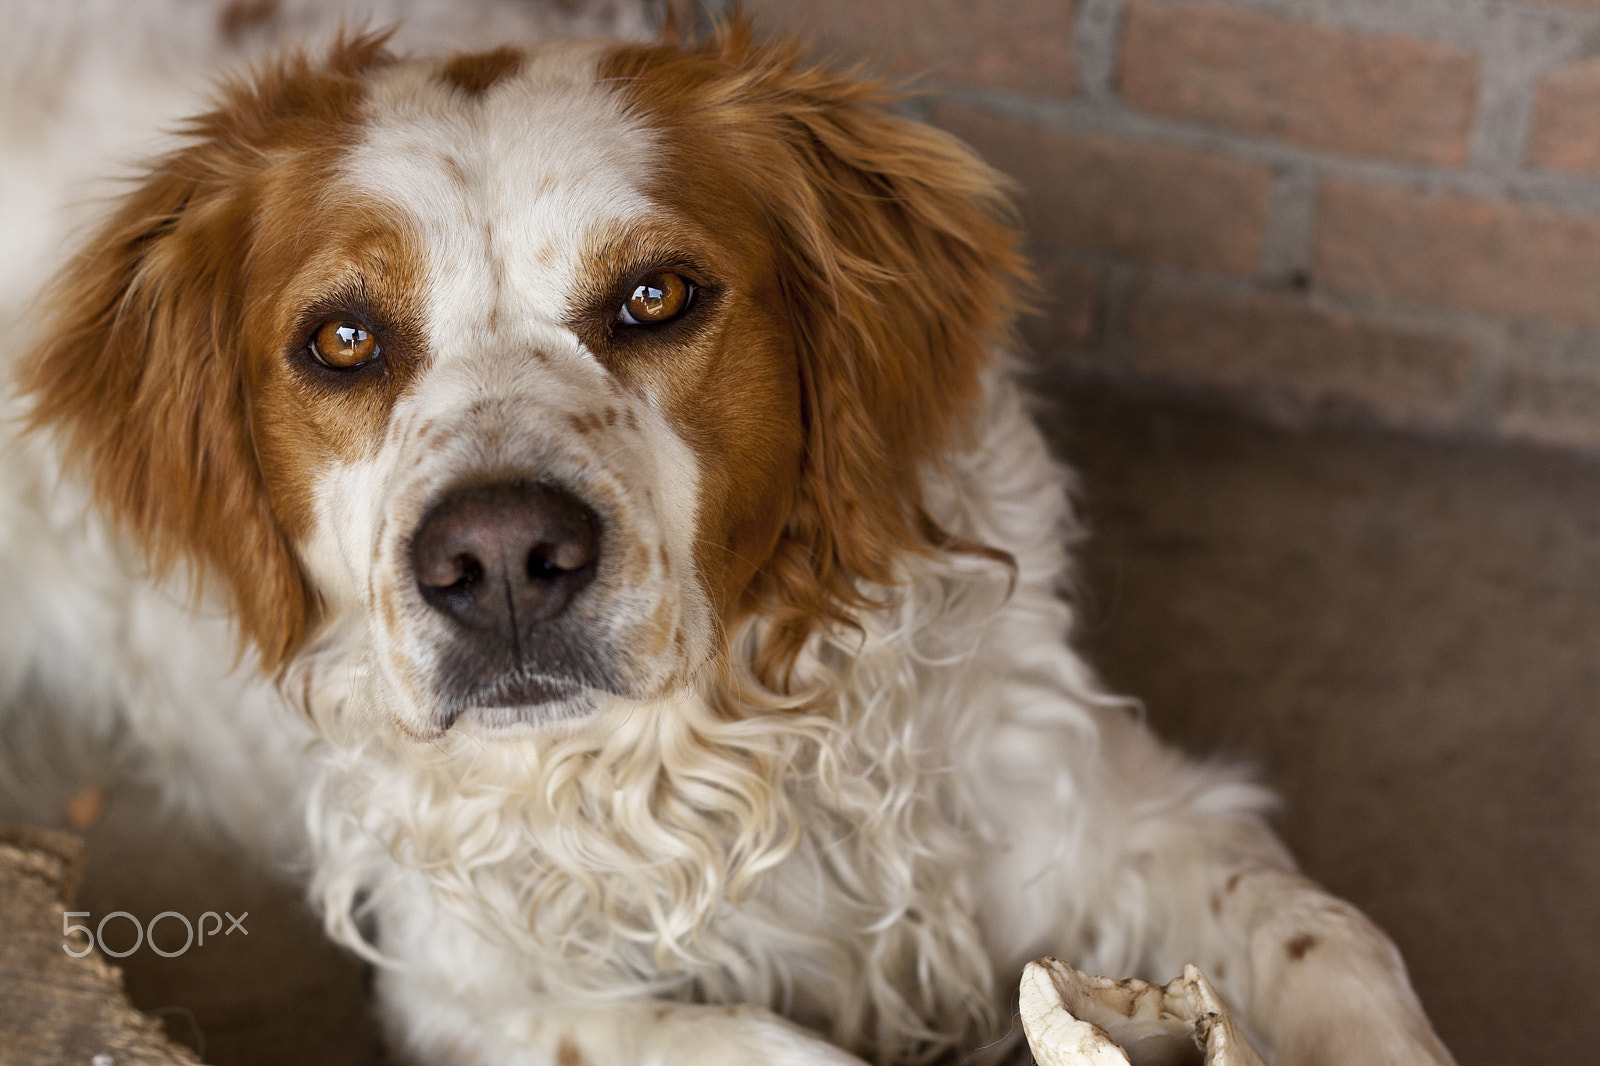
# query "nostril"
(445, 570)
(468, 571)
(574, 552)
(541, 566)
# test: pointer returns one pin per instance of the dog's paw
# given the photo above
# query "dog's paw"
(738, 1036)
(1368, 1047)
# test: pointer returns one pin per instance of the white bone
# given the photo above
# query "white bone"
(1074, 1019)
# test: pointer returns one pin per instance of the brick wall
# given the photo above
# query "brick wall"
(1380, 209)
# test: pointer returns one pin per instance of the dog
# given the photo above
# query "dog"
(577, 496)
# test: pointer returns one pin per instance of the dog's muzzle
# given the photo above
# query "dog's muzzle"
(506, 564)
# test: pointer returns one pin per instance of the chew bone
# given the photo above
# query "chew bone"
(1074, 1019)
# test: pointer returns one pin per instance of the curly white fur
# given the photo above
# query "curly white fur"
(807, 851)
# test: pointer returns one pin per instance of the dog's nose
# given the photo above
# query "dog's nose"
(501, 557)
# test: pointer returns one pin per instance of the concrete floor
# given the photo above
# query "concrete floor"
(277, 994)
(1403, 635)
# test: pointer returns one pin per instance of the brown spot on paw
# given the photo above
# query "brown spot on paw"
(569, 1054)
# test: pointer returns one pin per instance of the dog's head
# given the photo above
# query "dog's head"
(543, 369)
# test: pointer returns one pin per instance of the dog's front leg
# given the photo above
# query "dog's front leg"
(431, 1024)
(1325, 986)
(1316, 979)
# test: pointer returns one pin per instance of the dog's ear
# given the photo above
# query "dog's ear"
(900, 262)
(140, 370)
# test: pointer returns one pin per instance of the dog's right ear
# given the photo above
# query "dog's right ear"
(141, 368)
(900, 261)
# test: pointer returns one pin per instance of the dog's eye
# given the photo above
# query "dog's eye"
(656, 299)
(343, 344)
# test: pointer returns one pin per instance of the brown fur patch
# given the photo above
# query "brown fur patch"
(1298, 947)
(880, 259)
(586, 423)
(324, 258)
(569, 1054)
(242, 17)
(457, 172)
(162, 362)
(725, 376)
(475, 73)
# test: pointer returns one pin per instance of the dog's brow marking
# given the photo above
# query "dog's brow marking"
(1301, 944)
(475, 73)
(242, 17)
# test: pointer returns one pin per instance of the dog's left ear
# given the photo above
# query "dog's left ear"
(140, 371)
(900, 263)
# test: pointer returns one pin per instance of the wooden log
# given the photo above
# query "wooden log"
(54, 1007)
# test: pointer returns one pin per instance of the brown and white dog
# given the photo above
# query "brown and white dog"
(646, 569)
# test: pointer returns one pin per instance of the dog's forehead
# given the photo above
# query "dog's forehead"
(504, 186)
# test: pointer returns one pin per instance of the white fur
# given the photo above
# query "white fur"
(946, 793)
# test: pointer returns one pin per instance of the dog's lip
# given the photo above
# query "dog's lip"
(531, 689)
(528, 703)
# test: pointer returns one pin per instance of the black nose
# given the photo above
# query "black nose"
(499, 558)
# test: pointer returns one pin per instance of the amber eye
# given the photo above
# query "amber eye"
(658, 298)
(344, 345)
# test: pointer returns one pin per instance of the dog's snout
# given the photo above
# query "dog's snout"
(502, 557)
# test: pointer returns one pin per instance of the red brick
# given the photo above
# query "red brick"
(1278, 351)
(1024, 45)
(1455, 251)
(1566, 120)
(1148, 202)
(1552, 405)
(1390, 96)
